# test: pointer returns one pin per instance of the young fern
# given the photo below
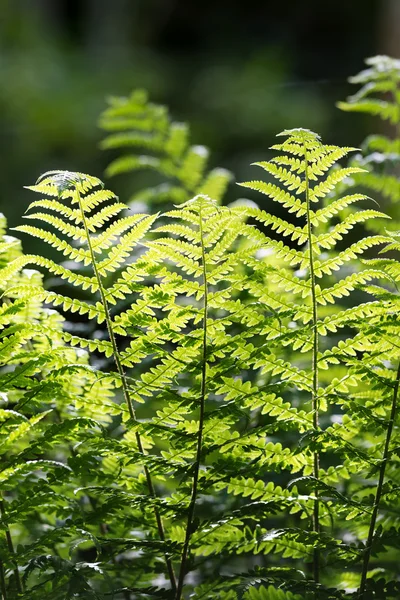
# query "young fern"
(380, 96)
(198, 248)
(287, 323)
(135, 123)
(205, 247)
(309, 145)
(182, 359)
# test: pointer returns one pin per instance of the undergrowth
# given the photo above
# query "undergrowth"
(204, 403)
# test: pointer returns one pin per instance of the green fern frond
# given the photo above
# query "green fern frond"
(379, 95)
(333, 264)
(135, 123)
(332, 209)
(381, 76)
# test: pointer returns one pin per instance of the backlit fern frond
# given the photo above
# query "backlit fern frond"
(41, 418)
(107, 247)
(207, 344)
(374, 406)
(308, 183)
(380, 76)
(156, 142)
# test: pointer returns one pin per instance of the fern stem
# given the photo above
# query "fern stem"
(379, 489)
(125, 388)
(203, 389)
(11, 550)
(314, 395)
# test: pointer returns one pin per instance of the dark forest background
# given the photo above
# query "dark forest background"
(239, 72)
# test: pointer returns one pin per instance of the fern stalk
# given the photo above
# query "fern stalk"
(11, 550)
(379, 489)
(192, 504)
(314, 396)
(124, 383)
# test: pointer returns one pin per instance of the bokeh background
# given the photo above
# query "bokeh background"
(238, 72)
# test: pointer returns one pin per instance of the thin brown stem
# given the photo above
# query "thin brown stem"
(125, 387)
(203, 390)
(314, 394)
(379, 489)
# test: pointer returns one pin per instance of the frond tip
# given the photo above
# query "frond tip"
(299, 131)
(55, 183)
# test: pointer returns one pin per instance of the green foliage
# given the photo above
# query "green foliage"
(161, 145)
(379, 96)
(269, 593)
(213, 413)
(41, 419)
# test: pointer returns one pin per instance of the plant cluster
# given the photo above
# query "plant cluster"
(202, 402)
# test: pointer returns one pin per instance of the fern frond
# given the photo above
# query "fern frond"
(276, 193)
(30, 259)
(279, 225)
(322, 189)
(134, 122)
(379, 96)
(73, 232)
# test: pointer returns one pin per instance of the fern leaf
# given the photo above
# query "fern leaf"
(164, 147)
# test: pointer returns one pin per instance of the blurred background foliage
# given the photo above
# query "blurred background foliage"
(237, 72)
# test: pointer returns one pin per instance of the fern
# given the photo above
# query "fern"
(379, 96)
(178, 356)
(135, 123)
(34, 414)
(81, 191)
(305, 154)
(381, 372)
(234, 433)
